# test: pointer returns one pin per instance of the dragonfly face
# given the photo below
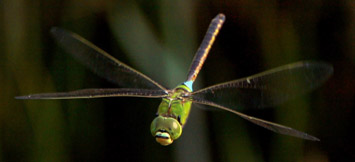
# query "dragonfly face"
(165, 130)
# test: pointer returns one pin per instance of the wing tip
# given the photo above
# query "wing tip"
(311, 138)
(22, 97)
(55, 30)
(28, 97)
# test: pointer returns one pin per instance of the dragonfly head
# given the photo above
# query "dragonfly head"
(165, 130)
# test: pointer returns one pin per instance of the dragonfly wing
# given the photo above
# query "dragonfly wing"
(268, 88)
(101, 62)
(98, 93)
(266, 124)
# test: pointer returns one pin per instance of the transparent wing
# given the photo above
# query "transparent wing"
(98, 93)
(268, 88)
(101, 62)
(266, 124)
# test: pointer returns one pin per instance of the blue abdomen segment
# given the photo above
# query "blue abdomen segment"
(189, 84)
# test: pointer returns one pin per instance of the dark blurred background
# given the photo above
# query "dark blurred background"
(159, 38)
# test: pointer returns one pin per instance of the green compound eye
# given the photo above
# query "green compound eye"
(165, 130)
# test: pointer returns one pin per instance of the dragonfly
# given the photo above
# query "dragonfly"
(265, 89)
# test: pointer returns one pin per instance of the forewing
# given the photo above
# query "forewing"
(101, 62)
(268, 88)
(98, 93)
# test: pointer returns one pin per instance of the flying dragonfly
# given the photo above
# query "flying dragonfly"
(265, 89)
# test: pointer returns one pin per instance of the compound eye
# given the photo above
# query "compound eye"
(167, 128)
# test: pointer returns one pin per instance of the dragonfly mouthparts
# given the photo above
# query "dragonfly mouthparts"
(161, 136)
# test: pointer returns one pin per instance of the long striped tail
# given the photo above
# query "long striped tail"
(205, 47)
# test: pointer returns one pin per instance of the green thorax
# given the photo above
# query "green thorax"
(176, 105)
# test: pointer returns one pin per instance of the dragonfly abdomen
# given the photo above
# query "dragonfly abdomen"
(202, 52)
